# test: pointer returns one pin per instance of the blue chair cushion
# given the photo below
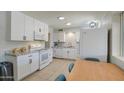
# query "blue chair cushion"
(61, 77)
(70, 67)
(92, 59)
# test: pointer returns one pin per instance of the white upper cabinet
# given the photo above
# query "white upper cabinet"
(25, 28)
(29, 28)
(59, 36)
(21, 27)
(41, 31)
(17, 26)
(46, 31)
(37, 31)
(78, 36)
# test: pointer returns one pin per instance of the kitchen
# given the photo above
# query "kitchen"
(27, 43)
(41, 45)
(23, 43)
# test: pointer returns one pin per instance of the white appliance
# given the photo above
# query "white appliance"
(93, 43)
(45, 58)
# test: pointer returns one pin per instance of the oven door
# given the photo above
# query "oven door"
(44, 57)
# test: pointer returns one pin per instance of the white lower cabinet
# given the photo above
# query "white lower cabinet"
(23, 67)
(67, 53)
(24, 64)
(34, 62)
(58, 53)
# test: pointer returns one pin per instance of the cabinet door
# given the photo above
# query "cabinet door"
(37, 29)
(42, 27)
(55, 36)
(35, 62)
(50, 55)
(29, 28)
(46, 30)
(77, 36)
(57, 53)
(23, 68)
(65, 53)
(72, 54)
(17, 26)
(54, 52)
(61, 36)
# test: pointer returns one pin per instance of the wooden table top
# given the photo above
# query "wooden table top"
(95, 71)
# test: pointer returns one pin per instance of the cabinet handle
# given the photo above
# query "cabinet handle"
(30, 61)
(39, 29)
(24, 37)
(67, 51)
(30, 56)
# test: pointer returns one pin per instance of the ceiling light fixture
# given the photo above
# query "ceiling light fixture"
(93, 24)
(60, 18)
(68, 24)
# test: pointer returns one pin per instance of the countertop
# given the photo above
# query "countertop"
(65, 47)
(15, 55)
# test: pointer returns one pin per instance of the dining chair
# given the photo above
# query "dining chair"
(61, 77)
(70, 67)
(92, 59)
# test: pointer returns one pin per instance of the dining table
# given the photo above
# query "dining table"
(85, 70)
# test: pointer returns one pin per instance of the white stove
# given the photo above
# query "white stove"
(45, 57)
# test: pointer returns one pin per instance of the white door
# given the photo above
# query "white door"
(35, 62)
(17, 26)
(29, 28)
(93, 43)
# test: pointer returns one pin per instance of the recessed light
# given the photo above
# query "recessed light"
(60, 18)
(68, 24)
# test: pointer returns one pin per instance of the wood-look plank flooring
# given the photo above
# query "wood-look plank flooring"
(50, 72)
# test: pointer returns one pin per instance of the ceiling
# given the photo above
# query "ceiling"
(77, 18)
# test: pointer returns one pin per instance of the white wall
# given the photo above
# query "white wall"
(118, 61)
(116, 46)
(6, 44)
(116, 35)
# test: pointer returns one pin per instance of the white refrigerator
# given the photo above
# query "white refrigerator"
(93, 44)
